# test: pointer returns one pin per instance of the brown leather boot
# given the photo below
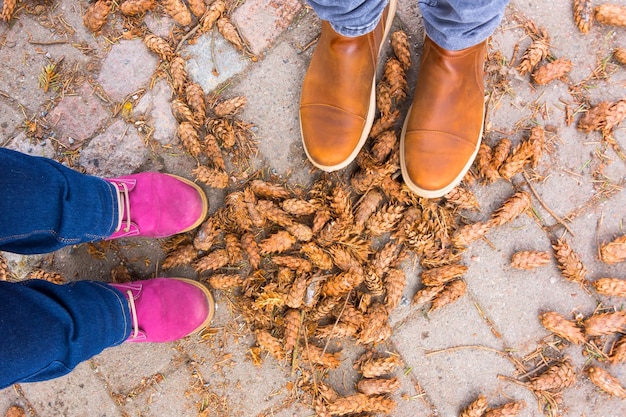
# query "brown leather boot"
(442, 132)
(338, 98)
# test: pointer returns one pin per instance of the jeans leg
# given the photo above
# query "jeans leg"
(459, 24)
(46, 206)
(350, 17)
(48, 329)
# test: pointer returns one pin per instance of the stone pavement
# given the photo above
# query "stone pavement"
(452, 355)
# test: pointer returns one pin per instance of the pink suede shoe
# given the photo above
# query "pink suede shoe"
(167, 309)
(157, 205)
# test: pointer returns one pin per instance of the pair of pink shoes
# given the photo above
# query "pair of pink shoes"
(159, 205)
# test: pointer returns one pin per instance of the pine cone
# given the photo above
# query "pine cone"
(296, 294)
(606, 382)
(613, 287)
(470, 233)
(528, 260)
(618, 354)
(95, 16)
(611, 14)
(225, 281)
(292, 328)
(53, 277)
(376, 367)
(556, 378)
(317, 256)
(605, 324)
(181, 111)
(268, 342)
(159, 46)
(476, 408)
(515, 205)
(538, 50)
(383, 145)
(267, 190)
(293, 262)
(207, 235)
(212, 261)
(194, 95)
(341, 283)
(401, 48)
(215, 178)
(583, 15)
(396, 78)
(442, 275)
(553, 71)
(298, 206)
(426, 294)
(178, 11)
(214, 12)
(4, 269)
(229, 32)
(570, 264)
(213, 151)
(182, 256)
(507, 410)
(230, 106)
(369, 386)
(137, 7)
(614, 251)
(318, 357)
(250, 247)
(451, 292)
(394, 280)
(198, 7)
(620, 55)
(223, 131)
(562, 327)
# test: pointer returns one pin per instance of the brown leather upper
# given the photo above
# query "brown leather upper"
(336, 94)
(443, 129)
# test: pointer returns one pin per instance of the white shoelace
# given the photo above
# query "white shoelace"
(123, 201)
(133, 311)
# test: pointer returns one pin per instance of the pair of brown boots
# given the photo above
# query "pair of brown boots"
(442, 131)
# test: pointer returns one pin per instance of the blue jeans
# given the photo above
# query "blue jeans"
(451, 24)
(47, 329)
(46, 206)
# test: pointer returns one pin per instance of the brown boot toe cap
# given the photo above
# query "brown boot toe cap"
(330, 135)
